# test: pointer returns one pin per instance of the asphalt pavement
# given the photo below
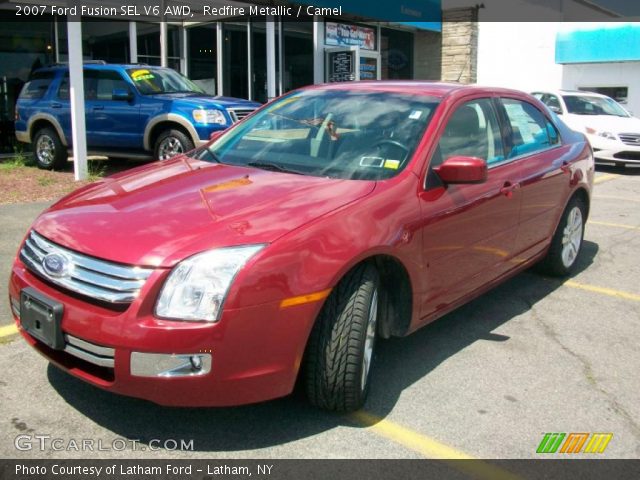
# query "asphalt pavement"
(535, 355)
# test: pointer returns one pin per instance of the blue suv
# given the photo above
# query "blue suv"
(133, 111)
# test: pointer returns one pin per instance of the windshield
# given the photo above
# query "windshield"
(334, 133)
(152, 81)
(587, 105)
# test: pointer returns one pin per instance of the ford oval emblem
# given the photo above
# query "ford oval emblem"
(56, 264)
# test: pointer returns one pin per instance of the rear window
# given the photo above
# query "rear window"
(37, 86)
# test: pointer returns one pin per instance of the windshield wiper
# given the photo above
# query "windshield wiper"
(274, 167)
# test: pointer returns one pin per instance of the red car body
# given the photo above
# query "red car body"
(446, 245)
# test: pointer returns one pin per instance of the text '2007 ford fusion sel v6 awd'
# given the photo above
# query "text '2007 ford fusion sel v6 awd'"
(286, 246)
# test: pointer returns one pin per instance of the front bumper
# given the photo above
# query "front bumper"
(255, 351)
(610, 151)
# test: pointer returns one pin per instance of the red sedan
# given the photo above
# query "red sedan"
(332, 216)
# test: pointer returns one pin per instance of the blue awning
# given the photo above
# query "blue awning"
(608, 43)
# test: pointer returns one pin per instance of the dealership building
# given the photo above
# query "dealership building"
(261, 57)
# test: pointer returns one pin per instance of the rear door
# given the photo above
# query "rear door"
(469, 231)
(534, 144)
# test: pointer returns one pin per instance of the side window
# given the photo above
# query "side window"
(100, 84)
(63, 89)
(472, 131)
(37, 85)
(554, 104)
(529, 128)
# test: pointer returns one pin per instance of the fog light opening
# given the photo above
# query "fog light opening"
(196, 362)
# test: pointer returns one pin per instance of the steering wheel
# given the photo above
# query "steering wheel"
(395, 143)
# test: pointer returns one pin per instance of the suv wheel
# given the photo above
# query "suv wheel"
(171, 143)
(48, 149)
(340, 350)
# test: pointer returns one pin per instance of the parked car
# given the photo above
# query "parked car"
(613, 132)
(132, 111)
(330, 217)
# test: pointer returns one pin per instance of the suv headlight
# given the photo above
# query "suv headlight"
(607, 135)
(197, 287)
(209, 116)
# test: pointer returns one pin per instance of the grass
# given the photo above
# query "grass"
(19, 160)
(96, 169)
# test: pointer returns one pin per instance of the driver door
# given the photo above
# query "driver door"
(470, 230)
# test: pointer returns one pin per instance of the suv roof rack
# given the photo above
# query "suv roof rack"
(85, 62)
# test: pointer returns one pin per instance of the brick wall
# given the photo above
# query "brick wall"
(459, 45)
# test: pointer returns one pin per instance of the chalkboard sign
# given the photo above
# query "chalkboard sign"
(341, 66)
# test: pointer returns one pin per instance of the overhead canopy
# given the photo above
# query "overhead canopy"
(599, 43)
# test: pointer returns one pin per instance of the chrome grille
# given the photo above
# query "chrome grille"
(238, 114)
(630, 138)
(89, 352)
(89, 276)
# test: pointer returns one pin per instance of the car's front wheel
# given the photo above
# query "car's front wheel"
(341, 346)
(48, 149)
(566, 244)
(171, 143)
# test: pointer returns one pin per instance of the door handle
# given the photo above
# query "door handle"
(508, 188)
(56, 105)
(98, 107)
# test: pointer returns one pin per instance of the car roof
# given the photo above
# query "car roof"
(563, 92)
(415, 87)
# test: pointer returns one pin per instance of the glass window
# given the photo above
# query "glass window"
(396, 48)
(235, 80)
(203, 56)
(151, 81)
(335, 133)
(590, 105)
(101, 40)
(619, 94)
(37, 86)
(472, 131)
(529, 128)
(98, 85)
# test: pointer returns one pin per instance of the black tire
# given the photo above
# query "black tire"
(163, 148)
(335, 374)
(554, 263)
(48, 150)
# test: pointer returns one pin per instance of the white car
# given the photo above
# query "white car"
(613, 132)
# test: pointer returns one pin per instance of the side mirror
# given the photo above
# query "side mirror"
(215, 135)
(462, 170)
(556, 110)
(121, 94)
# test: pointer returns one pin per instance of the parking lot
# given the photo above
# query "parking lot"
(535, 355)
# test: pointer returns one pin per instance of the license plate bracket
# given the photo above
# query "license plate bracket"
(41, 317)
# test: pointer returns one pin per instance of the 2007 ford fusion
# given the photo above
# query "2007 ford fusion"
(283, 248)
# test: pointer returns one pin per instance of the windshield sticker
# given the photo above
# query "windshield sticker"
(415, 115)
(376, 162)
(140, 75)
(392, 164)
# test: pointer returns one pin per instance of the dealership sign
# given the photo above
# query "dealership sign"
(343, 35)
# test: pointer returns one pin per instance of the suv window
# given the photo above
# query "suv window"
(98, 85)
(37, 86)
(530, 130)
(472, 131)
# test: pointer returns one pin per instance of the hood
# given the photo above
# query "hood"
(161, 213)
(603, 123)
(208, 101)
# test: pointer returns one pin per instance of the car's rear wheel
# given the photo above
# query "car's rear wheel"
(48, 149)
(341, 347)
(171, 143)
(566, 244)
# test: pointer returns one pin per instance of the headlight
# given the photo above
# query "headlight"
(197, 287)
(209, 116)
(607, 135)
